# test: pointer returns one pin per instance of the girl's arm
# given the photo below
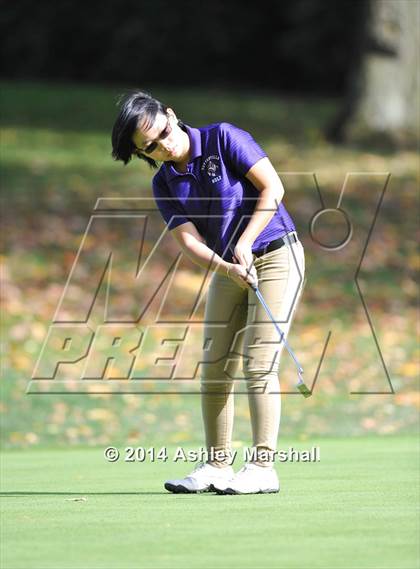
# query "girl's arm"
(194, 246)
(265, 179)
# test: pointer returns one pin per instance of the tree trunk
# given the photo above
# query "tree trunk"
(385, 99)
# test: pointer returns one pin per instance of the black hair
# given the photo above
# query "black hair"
(135, 108)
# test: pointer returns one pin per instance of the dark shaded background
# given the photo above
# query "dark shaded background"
(309, 46)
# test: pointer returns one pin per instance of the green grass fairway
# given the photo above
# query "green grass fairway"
(355, 508)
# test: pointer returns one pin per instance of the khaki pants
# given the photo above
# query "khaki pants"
(237, 329)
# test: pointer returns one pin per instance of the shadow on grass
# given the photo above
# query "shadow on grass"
(80, 494)
(80, 108)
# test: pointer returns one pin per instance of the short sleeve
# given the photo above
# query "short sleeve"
(240, 149)
(169, 207)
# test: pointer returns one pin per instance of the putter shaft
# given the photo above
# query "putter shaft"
(302, 387)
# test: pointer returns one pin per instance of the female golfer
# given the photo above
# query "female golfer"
(220, 197)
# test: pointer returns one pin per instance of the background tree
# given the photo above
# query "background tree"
(383, 89)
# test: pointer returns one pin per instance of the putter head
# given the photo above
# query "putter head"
(303, 388)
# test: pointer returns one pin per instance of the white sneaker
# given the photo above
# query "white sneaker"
(251, 479)
(202, 479)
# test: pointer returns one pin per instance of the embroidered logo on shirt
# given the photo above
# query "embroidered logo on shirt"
(211, 166)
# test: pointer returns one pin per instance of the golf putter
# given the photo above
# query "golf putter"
(302, 387)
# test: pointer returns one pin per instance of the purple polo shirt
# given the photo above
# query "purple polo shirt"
(214, 193)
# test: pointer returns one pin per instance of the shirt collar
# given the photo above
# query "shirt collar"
(195, 151)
